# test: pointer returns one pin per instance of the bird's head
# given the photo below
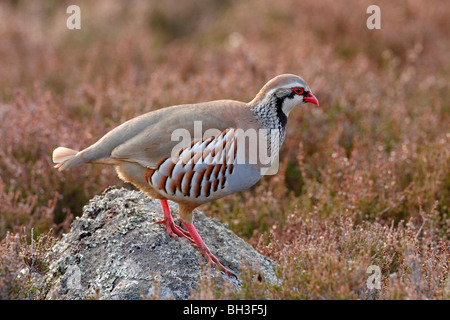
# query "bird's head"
(285, 92)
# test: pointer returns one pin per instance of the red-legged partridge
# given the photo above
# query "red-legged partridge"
(164, 154)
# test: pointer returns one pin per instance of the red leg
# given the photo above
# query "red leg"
(172, 229)
(204, 249)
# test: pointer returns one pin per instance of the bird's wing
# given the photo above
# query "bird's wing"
(198, 170)
(177, 129)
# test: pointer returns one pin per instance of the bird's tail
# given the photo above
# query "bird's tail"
(62, 156)
(65, 158)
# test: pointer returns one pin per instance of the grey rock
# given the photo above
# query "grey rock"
(115, 251)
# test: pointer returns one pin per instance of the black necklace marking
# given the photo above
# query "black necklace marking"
(280, 114)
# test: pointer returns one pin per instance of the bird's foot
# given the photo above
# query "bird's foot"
(175, 231)
(201, 246)
(172, 229)
(214, 261)
(192, 235)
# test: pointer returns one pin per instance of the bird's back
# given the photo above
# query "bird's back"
(148, 138)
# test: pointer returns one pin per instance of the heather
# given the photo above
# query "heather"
(364, 178)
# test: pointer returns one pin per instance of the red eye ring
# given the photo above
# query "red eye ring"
(298, 90)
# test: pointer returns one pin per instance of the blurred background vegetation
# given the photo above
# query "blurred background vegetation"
(364, 180)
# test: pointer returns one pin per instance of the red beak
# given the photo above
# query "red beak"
(311, 99)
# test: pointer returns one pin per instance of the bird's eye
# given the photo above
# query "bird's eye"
(298, 90)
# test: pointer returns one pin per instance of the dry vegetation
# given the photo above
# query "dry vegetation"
(365, 178)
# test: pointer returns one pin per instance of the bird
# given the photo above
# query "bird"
(220, 160)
